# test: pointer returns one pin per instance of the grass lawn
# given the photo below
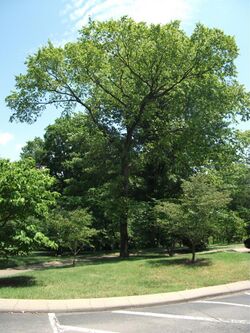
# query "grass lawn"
(137, 275)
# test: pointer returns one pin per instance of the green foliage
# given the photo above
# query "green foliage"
(244, 140)
(34, 149)
(72, 229)
(237, 179)
(24, 192)
(142, 229)
(241, 198)
(19, 238)
(202, 200)
(196, 216)
(169, 219)
(231, 227)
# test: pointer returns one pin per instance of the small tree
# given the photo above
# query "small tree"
(24, 192)
(201, 202)
(72, 230)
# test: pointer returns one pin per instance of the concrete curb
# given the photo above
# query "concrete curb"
(100, 304)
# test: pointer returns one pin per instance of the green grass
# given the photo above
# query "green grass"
(135, 276)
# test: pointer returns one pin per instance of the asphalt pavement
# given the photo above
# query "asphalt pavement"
(229, 314)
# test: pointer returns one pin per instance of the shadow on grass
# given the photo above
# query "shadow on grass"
(17, 281)
(181, 262)
(153, 260)
(21, 262)
(4, 263)
(102, 261)
(149, 260)
(116, 260)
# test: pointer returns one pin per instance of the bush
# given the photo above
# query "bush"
(247, 243)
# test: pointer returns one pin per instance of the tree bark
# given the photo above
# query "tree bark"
(193, 253)
(124, 252)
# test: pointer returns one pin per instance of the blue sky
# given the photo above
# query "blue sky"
(27, 24)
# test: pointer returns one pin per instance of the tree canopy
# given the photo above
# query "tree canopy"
(147, 89)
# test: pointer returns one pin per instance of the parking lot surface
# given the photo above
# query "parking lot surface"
(228, 314)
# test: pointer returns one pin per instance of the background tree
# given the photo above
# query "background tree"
(241, 197)
(169, 222)
(231, 228)
(237, 177)
(85, 167)
(34, 149)
(128, 75)
(143, 232)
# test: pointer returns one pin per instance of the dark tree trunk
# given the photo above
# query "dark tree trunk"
(171, 249)
(193, 253)
(124, 239)
(124, 253)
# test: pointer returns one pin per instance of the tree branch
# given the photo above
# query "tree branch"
(5, 220)
(168, 89)
(99, 84)
(77, 99)
(131, 69)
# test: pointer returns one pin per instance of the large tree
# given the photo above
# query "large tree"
(133, 80)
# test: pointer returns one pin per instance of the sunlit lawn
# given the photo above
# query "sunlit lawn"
(137, 275)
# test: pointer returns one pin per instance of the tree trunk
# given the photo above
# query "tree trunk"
(124, 239)
(171, 249)
(193, 253)
(74, 254)
(124, 253)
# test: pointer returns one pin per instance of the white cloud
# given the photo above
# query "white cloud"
(160, 11)
(151, 11)
(5, 138)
